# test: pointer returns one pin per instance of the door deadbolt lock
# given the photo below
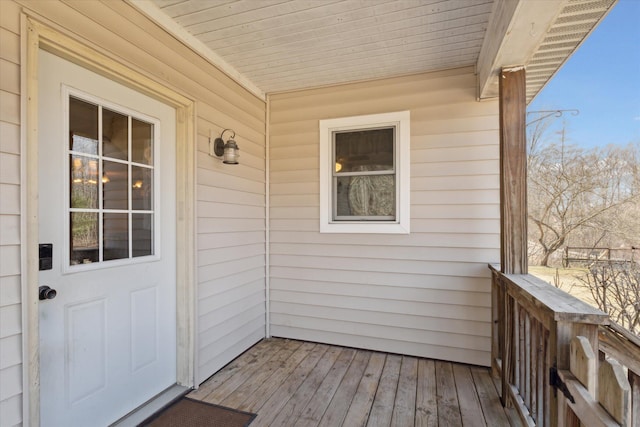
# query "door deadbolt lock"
(45, 292)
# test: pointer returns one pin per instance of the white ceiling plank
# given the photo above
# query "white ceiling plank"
(153, 12)
(347, 41)
(347, 13)
(395, 38)
(282, 45)
(194, 12)
(365, 57)
(244, 19)
(348, 33)
(272, 28)
(292, 63)
(166, 3)
(349, 73)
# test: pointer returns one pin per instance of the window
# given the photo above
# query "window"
(364, 174)
(111, 184)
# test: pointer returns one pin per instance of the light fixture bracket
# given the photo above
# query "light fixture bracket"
(218, 147)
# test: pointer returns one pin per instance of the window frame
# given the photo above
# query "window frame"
(67, 266)
(401, 123)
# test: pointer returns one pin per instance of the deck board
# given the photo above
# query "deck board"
(447, 396)
(426, 402)
(404, 409)
(360, 407)
(341, 400)
(382, 409)
(295, 383)
(294, 407)
(312, 413)
(470, 409)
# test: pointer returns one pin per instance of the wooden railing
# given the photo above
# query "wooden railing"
(533, 325)
(600, 394)
(617, 343)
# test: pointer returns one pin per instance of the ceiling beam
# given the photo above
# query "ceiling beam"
(515, 30)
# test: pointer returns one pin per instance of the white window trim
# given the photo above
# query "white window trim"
(67, 268)
(401, 120)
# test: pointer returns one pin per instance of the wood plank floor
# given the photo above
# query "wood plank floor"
(296, 383)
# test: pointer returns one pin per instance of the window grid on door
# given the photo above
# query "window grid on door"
(111, 167)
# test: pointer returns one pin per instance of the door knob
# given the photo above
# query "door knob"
(45, 292)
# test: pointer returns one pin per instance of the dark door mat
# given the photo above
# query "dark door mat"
(188, 412)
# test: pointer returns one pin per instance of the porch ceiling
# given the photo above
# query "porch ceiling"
(282, 45)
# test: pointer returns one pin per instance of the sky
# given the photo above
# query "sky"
(601, 80)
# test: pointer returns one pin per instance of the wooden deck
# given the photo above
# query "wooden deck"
(296, 383)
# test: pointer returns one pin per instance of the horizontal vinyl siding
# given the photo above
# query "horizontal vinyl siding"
(11, 362)
(426, 293)
(230, 217)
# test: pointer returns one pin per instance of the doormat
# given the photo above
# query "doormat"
(194, 413)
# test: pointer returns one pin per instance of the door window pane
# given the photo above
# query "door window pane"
(142, 188)
(115, 135)
(142, 234)
(83, 126)
(84, 238)
(116, 236)
(115, 185)
(111, 182)
(141, 142)
(84, 182)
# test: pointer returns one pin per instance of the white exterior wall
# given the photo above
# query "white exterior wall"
(426, 293)
(230, 221)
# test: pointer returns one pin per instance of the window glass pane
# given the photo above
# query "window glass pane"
(84, 238)
(366, 196)
(366, 150)
(142, 229)
(115, 139)
(83, 126)
(115, 183)
(83, 182)
(116, 236)
(112, 153)
(141, 142)
(142, 188)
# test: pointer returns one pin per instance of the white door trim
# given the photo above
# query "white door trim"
(41, 36)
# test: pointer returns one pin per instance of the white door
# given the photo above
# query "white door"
(107, 208)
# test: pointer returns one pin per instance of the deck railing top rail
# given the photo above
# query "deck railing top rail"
(562, 306)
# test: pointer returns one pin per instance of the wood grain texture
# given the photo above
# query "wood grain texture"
(404, 408)
(360, 406)
(426, 402)
(342, 398)
(513, 171)
(320, 385)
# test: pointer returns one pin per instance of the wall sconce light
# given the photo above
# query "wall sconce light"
(229, 150)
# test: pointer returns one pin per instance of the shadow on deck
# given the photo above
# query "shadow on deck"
(296, 383)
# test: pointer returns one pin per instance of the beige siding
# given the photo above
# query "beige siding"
(10, 298)
(230, 199)
(426, 293)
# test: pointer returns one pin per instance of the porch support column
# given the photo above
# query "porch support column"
(513, 171)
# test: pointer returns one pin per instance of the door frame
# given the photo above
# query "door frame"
(42, 36)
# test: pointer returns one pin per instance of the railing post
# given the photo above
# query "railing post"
(513, 171)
